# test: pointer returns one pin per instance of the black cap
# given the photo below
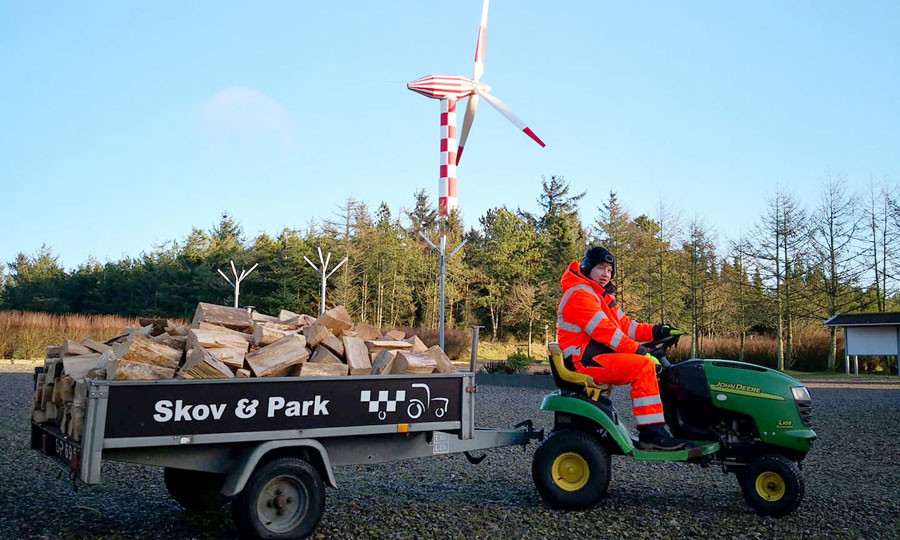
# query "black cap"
(594, 256)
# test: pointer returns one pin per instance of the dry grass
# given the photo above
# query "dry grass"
(25, 334)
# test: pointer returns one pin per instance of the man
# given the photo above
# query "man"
(604, 343)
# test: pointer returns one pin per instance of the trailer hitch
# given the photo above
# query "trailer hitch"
(530, 432)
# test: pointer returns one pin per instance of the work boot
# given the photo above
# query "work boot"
(656, 437)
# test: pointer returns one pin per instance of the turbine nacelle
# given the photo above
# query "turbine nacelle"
(446, 86)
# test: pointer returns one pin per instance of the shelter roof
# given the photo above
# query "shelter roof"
(864, 319)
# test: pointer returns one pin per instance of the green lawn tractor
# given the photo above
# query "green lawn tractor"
(748, 420)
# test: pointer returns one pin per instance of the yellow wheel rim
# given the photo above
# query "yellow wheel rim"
(570, 471)
(770, 486)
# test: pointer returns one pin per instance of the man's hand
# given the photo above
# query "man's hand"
(664, 330)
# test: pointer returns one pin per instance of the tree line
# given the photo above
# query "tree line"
(794, 267)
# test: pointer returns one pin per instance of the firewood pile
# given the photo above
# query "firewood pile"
(222, 343)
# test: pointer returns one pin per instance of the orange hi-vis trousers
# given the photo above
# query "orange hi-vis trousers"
(636, 370)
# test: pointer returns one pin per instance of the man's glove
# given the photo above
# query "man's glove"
(664, 330)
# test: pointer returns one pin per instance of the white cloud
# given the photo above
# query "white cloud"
(240, 111)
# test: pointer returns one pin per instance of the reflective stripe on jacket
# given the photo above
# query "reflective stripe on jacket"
(588, 312)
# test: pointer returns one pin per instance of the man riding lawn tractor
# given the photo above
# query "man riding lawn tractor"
(602, 342)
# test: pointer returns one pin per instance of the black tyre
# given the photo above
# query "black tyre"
(772, 485)
(571, 470)
(284, 498)
(195, 490)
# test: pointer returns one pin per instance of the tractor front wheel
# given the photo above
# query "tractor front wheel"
(571, 470)
(773, 485)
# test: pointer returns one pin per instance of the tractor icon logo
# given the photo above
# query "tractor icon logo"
(417, 407)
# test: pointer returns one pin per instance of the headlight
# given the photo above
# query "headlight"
(800, 393)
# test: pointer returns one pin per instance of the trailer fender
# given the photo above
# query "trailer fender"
(246, 462)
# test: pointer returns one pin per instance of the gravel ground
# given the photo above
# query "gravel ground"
(852, 477)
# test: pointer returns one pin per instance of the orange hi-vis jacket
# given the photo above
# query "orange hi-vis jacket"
(589, 312)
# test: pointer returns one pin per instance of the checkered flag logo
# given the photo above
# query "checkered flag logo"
(382, 404)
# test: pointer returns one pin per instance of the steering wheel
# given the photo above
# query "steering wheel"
(660, 346)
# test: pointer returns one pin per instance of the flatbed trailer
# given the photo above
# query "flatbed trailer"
(270, 444)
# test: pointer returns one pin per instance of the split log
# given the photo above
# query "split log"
(147, 350)
(76, 423)
(229, 317)
(95, 346)
(357, 354)
(200, 364)
(444, 365)
(396, 335)
(51, 412)
(408, 363)
(138, 371)
(366, 332)
(315, 333)
(230, 356)
(176, 342)
(323, 355)
(383, 363)
(334, 345)
(158, 326)
(143, 330)
(177, 330)
(277, 359)
(262, 317)
(322, 370)
(242, 373)
(264, 334)
(53, 351)
(78, 366)
(56, 395)
(387, 345)
(46, 394)
(101, 370)
(68, 389)
(336, 319)
(214, 338)
(73, 348)
(287, 316)
(246, 336)
(417, 344)
(39, 417)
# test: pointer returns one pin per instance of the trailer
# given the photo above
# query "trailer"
(269, 445)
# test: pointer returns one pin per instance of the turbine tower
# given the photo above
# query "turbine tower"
(449, 89)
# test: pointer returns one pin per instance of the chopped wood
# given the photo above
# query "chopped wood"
(143, 330)
(262, 317)
(158, 325)
(348, 333)
(56, 395)
(46, 394)
(51, 412)
(246, 336)
(230, 356)
(68, 389)
(73, 348)
(322, 370)
(95, 346)
(177, 330)
(366, 331)
(383, 362)
(277, 359)
(357, 354)
(137, 371)
(53, 351)
(177, 342)
(360, 371)
(215, 338)
(242, 373)
(323, 355)
(285, 316)
(200, 364)
(397, 335)
(100, 370)
(444, 365)
(81, 390)
(266, 334)
(147, 350)
(39, 416)
(315, 333)
(336, 319)
(78, 366)
(387, 345)
(335, 345)
(306, 320)
(229, 317)
(417, 344)
(408, 363)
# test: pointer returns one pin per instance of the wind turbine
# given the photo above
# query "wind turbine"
(449, 89)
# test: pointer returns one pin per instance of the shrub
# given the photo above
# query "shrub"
(518, 361)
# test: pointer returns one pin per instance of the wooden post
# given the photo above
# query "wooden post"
(856, 365)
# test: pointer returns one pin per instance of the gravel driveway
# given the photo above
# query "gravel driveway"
(852, 477)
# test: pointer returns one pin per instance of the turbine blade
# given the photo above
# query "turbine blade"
(511, 116)
(479, 45)
(471, 105)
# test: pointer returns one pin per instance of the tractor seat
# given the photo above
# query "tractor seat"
(569, 380)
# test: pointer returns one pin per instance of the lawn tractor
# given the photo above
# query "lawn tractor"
(748, 420)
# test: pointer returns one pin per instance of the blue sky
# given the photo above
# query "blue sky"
(126, 124)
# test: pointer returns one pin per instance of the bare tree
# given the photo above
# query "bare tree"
(699, 253)
(880, 239)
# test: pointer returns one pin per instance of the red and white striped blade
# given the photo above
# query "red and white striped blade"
(467, 125)
(504, 110)
(479, 45)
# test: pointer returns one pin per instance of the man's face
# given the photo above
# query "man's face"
(602, 273)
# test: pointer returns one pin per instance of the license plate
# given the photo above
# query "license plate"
(66, 451)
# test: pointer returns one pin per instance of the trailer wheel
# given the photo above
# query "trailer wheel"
(284, 498)
(773, 485)
(571, 470)
(195, 490)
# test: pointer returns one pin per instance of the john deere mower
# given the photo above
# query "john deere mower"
(748, 420)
